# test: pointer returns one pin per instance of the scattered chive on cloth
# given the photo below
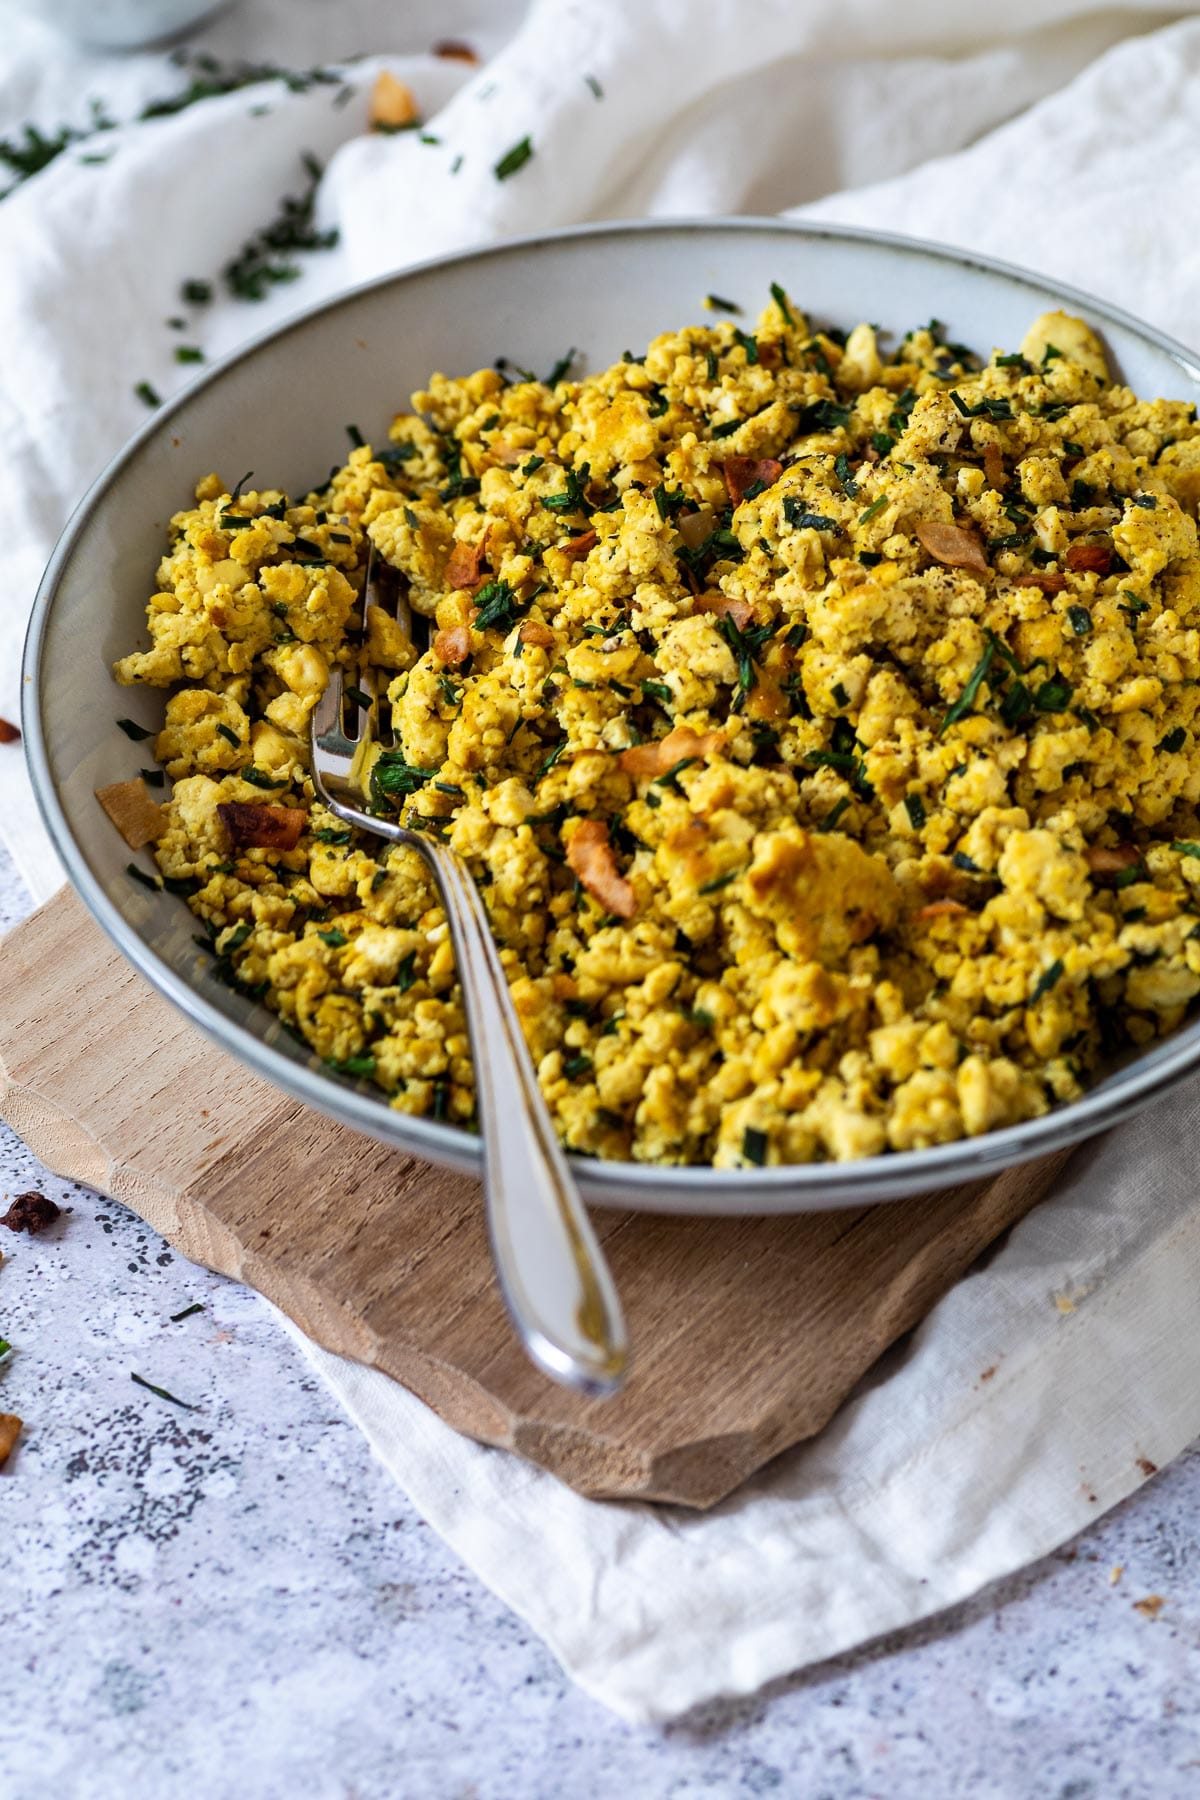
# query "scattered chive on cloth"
(160, 212)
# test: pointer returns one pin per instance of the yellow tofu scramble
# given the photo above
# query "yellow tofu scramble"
(818, 722)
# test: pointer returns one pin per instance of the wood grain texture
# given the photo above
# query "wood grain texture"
(748, 1333)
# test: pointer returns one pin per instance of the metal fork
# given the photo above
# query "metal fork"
(553, 1275)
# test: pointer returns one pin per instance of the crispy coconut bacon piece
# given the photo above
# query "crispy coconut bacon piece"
(590, 857)
(1111, 859)
(740, 611)
(262, 827)
(392, 104)
(10, 1431)
(741, 472)
(452, 644)
(952, 545)
(676, 747)
(137, 817)
(464, 565)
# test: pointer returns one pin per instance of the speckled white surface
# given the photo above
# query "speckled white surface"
(237, 1600)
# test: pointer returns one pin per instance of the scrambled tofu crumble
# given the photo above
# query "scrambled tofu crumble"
(819, 723)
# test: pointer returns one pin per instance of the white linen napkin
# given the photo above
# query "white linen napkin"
(1065, 137)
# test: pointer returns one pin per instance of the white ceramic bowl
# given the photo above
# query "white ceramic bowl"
(122, 24)
(280, 408)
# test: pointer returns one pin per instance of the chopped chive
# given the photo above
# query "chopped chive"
(356, 437)
(1046, 980)
(513, 159)
(961, 860)
(754, 1145)
(333, 937)
(1081, 620)
(195, 1307)
(839, 694)
(914, 806)
(841, 468)
(595, 86)
(161, 1392)
(875, 506)
(359, 696)
(1174, 740)
(361, 1066)
(147, 394)
(133, 730)
(728, 428)
(718, 882)
(230, 736)
(780, 299)
(966, 699)
(1053, 695)
(328, 836)
(1186, 849)
(831, 818)
(152, 777)
(716, 303)
(147, 881)
(188, 353)
(197, 293)
(578, 1065)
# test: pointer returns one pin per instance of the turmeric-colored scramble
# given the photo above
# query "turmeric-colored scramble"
(819, 724)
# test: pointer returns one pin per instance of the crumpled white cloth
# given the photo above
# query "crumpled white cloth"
(1060, 134)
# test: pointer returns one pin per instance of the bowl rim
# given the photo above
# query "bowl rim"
(695, 1189)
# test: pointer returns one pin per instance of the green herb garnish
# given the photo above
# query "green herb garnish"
(1081, 620)
(966, 700)
(195, 1307)
(780, 299)
(718, 882)
(133, 730)
(147, 394)
(914, 806)
(1046, 980)
(754, 1145)
(513, 159)
(162, 1392)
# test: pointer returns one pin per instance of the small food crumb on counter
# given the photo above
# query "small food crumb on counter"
(31, 1212)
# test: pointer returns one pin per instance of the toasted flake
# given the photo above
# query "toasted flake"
(1049, 584)
(741, 472)
(1105, 859)
(463, 569)
(455, 50)
(723, 607)
(579, 546)
(534, 632)
(953, 545)
(679, 744)
(993, 466)
(9, 734)
(1096, 558)
(392, 104)
(254, 827)
(941, 909)
(10, 1431)
(1151, 1606)
(452, 645)
(590, 857)
(138, 818)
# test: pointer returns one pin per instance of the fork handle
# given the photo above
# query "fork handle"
(552, 1272)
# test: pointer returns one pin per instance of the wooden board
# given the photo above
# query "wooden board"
(747, 1333)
